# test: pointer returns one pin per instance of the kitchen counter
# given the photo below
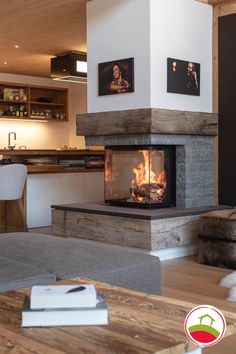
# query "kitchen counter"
(54, 177)
(50, 152)
(55, 161)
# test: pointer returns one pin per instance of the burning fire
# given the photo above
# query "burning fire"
(148, 185)
(108, 172)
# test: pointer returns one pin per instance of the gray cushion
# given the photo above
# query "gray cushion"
(73, 257)
(16, 275)
(144, 277)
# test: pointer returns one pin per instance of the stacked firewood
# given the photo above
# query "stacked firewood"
(147, 192)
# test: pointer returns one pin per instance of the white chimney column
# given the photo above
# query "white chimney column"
(149, 31)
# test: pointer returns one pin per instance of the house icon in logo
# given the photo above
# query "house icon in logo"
(208, 317)
(205, 325)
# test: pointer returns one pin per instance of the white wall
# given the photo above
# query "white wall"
(150, 31)
(118, 29)
(181, 29)
(37, 135)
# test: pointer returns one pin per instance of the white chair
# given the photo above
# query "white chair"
(12, 183)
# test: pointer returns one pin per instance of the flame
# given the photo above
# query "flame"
(148, 185)
(108, 173)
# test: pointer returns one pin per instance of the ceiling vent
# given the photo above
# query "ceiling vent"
(70, 67)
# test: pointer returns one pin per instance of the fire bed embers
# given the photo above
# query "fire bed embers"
(147, 193)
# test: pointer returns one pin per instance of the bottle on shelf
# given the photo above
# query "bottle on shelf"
(17, 112)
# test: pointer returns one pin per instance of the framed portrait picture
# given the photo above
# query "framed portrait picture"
(116, 77)
(183, 77)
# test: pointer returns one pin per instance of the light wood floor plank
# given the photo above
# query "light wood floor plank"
(190, 281)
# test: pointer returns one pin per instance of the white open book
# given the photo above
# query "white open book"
(80, 316)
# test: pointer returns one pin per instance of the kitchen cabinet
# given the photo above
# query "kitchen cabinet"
(55, 177)
(44, 190)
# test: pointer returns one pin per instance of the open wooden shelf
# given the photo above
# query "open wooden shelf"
(13, 101)
(36, 102)
(46, 104)
(51, 161)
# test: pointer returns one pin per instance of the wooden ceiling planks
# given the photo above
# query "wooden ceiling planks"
(42, 29)
(213, 2)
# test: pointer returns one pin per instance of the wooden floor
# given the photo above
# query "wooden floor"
(186, 279)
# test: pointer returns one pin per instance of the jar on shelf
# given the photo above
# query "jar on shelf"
(47, 113)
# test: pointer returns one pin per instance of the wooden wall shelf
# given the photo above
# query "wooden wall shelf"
(19, 102)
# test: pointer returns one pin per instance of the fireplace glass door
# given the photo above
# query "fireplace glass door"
(140, 176)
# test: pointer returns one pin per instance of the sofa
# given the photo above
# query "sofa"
(28, 259)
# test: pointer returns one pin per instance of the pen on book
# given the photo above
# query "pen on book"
(75, 290)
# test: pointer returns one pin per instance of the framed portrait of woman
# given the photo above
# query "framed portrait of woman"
(116, 77)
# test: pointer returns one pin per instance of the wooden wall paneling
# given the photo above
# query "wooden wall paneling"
(220, 8)
(211, 2)
(227, 125)
(216, 2)
(215, 93)
(226, 8)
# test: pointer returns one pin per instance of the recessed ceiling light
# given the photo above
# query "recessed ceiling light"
(5, 62)
(16, 46)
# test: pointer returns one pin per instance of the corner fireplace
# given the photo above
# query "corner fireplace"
(140, 176)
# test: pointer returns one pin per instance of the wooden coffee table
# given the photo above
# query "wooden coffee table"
(138, 323)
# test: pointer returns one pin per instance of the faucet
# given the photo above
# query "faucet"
(11, 147)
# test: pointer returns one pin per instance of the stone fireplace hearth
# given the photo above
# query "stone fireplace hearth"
(191, 135)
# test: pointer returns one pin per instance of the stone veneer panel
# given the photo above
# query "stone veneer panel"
(194, 163)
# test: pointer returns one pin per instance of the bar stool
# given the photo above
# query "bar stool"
(12, 182)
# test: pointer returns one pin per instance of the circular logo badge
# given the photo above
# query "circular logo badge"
(205, 325)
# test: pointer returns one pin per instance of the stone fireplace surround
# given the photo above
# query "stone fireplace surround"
(193, 134)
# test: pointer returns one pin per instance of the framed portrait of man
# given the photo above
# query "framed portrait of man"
(183, 77)
(116, 77)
